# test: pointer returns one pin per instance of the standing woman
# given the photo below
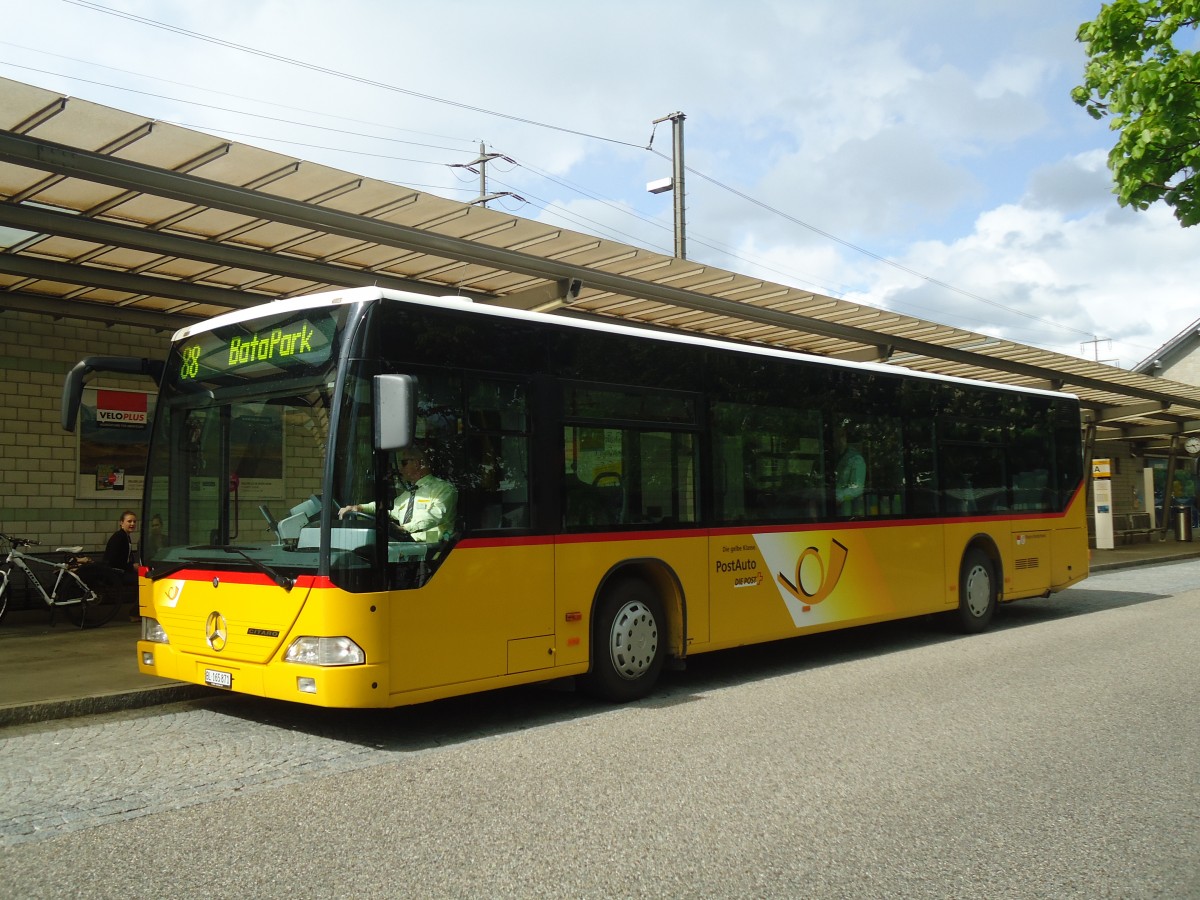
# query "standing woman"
(120, 556)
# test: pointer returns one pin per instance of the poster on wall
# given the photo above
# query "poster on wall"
(114, 436)
(256, 451)
(254, 455)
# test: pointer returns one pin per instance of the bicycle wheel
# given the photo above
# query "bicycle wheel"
(3, 593)
(86, 607)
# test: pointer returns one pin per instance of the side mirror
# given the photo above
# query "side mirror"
(395, 411)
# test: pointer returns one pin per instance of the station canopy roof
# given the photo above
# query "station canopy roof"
(110, 216)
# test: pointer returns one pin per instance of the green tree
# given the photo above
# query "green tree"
(1150, 90)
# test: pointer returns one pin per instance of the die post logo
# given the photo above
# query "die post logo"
(814, 581)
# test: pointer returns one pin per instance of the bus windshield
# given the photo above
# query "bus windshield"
(234, 477)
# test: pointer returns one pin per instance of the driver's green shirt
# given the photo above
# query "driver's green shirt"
(426, 512)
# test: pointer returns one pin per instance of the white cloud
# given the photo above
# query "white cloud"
(1021, 76)
(1120, 275)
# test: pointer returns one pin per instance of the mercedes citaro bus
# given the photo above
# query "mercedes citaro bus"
(623, 498)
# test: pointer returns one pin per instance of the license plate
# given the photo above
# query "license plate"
(213, 678)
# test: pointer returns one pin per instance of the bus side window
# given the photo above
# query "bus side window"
(973, 478)
(1031, 485)
(766, 463)
(884, 451)
(1066, 440)
(628, 476)
(497, 474)
(640, 474)
(663, 469)
(499, 466)
(593, 492)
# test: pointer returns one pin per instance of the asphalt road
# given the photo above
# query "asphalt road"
(1055, 756)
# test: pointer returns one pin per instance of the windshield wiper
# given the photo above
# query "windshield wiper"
(168, 568)
(282, 580)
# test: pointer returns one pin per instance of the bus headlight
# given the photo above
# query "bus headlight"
(325, 651)
(152, 631)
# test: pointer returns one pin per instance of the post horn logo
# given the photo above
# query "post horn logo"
(216, 631)
(809, 590)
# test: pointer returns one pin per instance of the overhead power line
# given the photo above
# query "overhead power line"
(313, 67)
(97, 7)
(883, 259)
(211, 90)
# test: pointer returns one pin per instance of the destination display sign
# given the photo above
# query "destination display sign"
(246, 352)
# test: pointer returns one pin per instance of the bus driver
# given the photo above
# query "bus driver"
(426, 506)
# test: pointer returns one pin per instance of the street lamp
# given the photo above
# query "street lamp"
(675, 183)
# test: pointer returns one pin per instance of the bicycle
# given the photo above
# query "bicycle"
(86, 606)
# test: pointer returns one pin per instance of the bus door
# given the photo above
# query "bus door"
(476, 600)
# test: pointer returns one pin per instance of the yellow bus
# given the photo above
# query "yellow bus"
(620, 499)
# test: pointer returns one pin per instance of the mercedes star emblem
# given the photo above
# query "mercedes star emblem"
(216, 631)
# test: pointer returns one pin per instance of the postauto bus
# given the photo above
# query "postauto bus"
(621, 499)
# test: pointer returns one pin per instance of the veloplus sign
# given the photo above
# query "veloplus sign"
(114, 436)
(122, 409)
(1102, 502)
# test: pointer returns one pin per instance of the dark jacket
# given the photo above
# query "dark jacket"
(118, 553)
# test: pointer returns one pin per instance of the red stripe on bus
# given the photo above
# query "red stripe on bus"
(226, 576)
(314, 581)
(730, 532)
(733, 531)
(229, 577)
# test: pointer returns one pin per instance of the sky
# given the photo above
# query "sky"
(923, 157)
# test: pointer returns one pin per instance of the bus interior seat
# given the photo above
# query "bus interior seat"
(588, 505)
(496, 513)
(491, 515)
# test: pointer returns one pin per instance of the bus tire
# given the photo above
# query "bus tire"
(628, 642)
(977, 593)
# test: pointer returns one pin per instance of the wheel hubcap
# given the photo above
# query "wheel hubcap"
(979, 591)
(634, 640)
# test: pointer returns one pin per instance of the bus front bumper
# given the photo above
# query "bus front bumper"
(332, 686)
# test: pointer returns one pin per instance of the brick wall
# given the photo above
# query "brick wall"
(1128, 495)
(37, 458)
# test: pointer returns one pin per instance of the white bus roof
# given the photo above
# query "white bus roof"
(368, 294)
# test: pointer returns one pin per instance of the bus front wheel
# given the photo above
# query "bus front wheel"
(628, 642)
(977, 593)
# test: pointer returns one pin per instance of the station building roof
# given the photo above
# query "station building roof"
(110, 216)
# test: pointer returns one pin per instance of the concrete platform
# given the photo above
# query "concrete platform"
(51, 672)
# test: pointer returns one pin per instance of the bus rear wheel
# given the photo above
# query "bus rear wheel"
(977, 593)
(628, 642)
